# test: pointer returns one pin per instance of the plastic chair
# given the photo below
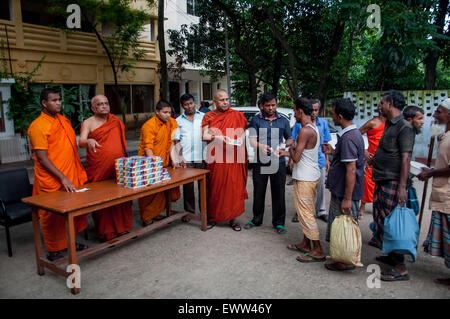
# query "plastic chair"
(14, 185)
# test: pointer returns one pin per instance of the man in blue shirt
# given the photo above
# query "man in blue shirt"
(325, 137)
(188, 142)
(268, 129)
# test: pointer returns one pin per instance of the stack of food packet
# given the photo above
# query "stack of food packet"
(139, 171)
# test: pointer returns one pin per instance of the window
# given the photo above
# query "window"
(190, 6)
(148, 34)
(136, 98)
(6, 12)
(207, 91)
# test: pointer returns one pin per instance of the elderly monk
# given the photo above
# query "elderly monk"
(57, 167)
(224, 131)
(103, 135)
(156, 140)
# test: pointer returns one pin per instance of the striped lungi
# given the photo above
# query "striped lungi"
(438, 238)
(305, 202)
(384, 202)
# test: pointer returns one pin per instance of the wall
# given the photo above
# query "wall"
(367, 102)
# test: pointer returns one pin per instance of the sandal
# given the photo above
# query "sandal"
(334, 267)
(210, 225)
(385, 276)
(235, 226)
(311, 260)
(297, 248)
(54, 255)
(159, 217)
(249, 225)
(147, 222)
(80, 247)
(295, 219)
(185, 219)
(281, 230)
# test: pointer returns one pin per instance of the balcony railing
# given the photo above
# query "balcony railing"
(37, 37)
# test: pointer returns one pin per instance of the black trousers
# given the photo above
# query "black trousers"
(277, 188)
(188, 189)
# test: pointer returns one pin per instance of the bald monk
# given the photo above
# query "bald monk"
(103, 136)
(57, 167)
(227, 163)
(156, 140)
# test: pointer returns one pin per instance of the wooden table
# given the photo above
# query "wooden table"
(101, 195)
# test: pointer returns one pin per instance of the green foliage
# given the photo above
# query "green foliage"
(366, 59)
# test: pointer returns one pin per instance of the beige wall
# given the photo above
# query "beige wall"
(70, 58)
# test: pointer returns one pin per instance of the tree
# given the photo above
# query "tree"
(117, 28)
(162, 50)
(441, 44)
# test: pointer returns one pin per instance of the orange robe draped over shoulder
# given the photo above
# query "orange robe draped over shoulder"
(118, 219)
(373, 137)
(57, 136)
(157, 136)
(227, 165)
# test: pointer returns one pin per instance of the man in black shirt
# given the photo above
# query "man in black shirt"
(390, 173)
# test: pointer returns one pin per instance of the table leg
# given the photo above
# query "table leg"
(71, 248)
(203, 212)
(168, 195)
(37, 240)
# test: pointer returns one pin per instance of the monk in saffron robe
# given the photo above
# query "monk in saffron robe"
(374, 129)
(57, 167)
(156, 140)
(224, 130)
(103, 135)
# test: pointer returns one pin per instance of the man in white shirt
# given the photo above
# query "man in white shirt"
(190, 147)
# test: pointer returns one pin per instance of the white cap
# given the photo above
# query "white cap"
(446, 104)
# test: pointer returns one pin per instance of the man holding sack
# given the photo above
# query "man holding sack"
(346, 184)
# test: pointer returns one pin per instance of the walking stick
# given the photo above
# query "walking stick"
(425, 185)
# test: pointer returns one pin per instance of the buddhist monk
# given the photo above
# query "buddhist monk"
(57, 167)
(156, 140)
(224, 131)
(103, 135)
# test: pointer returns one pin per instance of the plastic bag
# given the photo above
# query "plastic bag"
(412, 201)
(345, 241)
(401, 232)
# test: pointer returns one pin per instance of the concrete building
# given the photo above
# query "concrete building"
(74, 58)
(177, 13)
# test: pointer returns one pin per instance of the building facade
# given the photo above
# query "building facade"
(76, 58)
(177, 13)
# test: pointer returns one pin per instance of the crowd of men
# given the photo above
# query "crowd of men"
(216, 140)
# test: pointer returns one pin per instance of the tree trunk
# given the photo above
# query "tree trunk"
(277, 69)
(162, 52)
(335, 44)
(253, 86)
(291, 57)
(432, 58)
(349, 60)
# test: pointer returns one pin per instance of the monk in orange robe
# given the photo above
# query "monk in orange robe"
(156, 140)
(103, 135)
(226, 160)
(57, 166)
(374, 129)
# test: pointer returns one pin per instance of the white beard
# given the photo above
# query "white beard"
(437, 129)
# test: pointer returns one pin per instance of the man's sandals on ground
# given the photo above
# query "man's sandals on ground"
(308, 258)
(280, 229)
(297, 248)
(54, 255)
(235, 226)
(393, 275)
(337, 266)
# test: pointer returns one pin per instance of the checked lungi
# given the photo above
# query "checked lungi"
(384, 201)
(438, 238)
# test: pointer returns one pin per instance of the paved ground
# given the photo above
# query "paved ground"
(181, 261)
